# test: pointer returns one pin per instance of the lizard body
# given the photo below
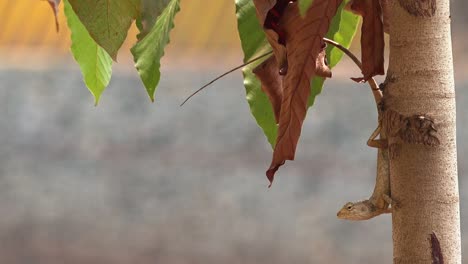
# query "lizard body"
(380, 200)
(394, 129)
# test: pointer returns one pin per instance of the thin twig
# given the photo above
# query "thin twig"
(226, 73)
(345, 50)
(372, 83)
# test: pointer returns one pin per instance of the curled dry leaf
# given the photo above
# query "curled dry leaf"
(54, 4)
(372, 37)
(273, 18)
(267, 73)
(306, 58)
(269, 13)
(321, 64)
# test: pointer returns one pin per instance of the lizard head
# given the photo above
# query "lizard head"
(357, 211)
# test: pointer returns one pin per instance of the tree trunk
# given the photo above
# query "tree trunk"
(424, 179)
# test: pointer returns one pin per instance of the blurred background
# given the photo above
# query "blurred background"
(134, 182)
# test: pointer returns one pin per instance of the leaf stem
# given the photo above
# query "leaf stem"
(226, 73)
(372, 83)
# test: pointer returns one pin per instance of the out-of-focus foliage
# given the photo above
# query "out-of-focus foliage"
(149, 50)
(95, 63)
(107, 21)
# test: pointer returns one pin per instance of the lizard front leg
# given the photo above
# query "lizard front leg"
(377, 143)
(380, 200)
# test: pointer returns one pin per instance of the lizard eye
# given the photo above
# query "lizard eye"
(349, 207)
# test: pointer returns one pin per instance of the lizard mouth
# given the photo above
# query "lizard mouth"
(339, 214)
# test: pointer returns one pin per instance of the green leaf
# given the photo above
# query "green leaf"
(342, 30)
(304, 5)
(148, 52)
(150, 11)
(107, 21)
(316, 85)
(254, 44)
(95, 63)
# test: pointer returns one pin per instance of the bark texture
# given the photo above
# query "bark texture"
(424, 179)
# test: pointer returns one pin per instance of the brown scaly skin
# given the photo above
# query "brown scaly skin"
(362, 210)
(380, 200)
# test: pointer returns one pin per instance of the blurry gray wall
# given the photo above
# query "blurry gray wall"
(134, 182)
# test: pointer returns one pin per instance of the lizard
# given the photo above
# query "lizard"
(379, 202)
(393, 129)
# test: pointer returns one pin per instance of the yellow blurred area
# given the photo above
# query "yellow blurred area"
(203, 29)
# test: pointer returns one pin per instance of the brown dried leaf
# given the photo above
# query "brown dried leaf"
(304, 38)
(54, 4)
(272, 81)
(269, 13)
(372, 36)
(263, 7)
(267, 73)
(273, 19)
(321, 64)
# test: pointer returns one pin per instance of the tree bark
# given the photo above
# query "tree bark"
(424, 179)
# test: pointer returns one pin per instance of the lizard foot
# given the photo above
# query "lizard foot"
(390, 201)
